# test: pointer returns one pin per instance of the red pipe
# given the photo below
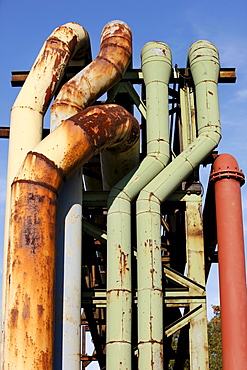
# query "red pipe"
(231, 258)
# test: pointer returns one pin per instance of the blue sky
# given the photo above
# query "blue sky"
(25, 25)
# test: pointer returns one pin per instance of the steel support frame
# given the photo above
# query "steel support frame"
(194, 296)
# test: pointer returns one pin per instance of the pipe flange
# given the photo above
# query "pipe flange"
(227, 174)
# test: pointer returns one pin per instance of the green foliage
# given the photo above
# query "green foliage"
(214, 340)
(214, 343)
(174, 345)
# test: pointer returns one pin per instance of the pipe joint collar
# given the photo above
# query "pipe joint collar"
(156, 62)
(203, 59)
(116, 28)
(226, 167)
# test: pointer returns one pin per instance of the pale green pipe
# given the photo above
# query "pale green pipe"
(156, 66)
(204, 63)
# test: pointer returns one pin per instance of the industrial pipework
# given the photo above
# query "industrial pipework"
(98, 170)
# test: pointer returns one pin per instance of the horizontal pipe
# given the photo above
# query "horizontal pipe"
(227, 180)
(29, 337)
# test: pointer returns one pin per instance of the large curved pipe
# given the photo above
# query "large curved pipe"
(65, 42)
(156, 67)
(232, 273)
(204, 64)
(28, 342)
(34, 98)
(99, 76)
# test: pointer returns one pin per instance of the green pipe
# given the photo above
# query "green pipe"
(156, 66)
(204, 64)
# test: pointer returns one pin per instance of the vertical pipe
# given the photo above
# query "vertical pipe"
(232, 273)
(67, 344)
(156, 64)
(150, 292)
(71, 335)
(28, 337)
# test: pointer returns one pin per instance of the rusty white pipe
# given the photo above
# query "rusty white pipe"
(76, 94)
(38, 90)
(33, 100)
(204, 64)
(71, 325)
(99, 76)
(28, 341)
(227, 180)
(67, 341)
(156, 68)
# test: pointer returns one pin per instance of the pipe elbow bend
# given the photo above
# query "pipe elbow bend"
(73, 35)
(49, 66)
(98, 76)
(116, 45)
(82, 51)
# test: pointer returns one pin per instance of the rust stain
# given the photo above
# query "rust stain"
(195, 232)
(153, 341)
(59, 52)
(123, 262)
(26, 308)
(40, 309)
(108, 123)
(14, 317)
